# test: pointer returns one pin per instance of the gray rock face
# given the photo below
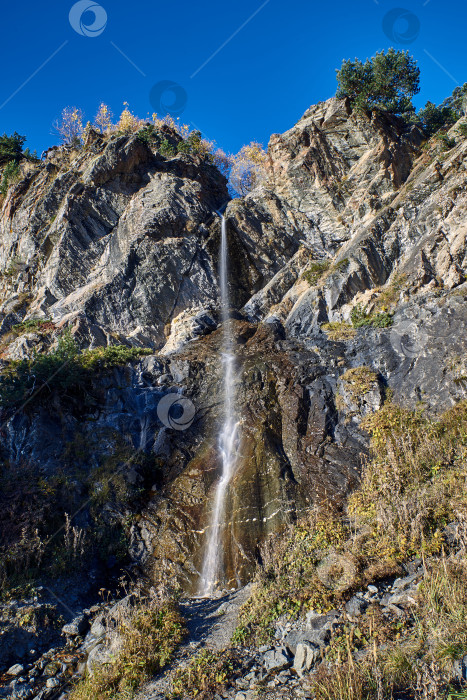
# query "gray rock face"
(102, 237)
(120, 244)
(356, 606)
(318, 638)
(75, 627)
(276, 659)
(306, 654)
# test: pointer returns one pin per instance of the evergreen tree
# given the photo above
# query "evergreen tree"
(387, 81)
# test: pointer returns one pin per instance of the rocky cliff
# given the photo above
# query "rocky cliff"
(348, 268)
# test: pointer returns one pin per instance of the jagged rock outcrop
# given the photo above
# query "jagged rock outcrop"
(120, 243)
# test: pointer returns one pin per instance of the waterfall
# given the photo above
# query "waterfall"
(212, 570)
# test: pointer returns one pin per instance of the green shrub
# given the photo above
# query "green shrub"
(11, 148)
(432, 118)
(446, 141)
(9, 175)
(191, 144)
(361, 318)
(462, 128)
(63, 369)
(166, 149)
(315, 271)
(147, 134)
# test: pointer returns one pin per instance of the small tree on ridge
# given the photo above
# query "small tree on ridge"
(388, 81)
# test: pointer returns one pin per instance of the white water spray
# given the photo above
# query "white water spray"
(212, 570)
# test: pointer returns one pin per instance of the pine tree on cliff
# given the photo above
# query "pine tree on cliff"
(387, 81)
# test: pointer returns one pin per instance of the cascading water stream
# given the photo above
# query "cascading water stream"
(212, 570)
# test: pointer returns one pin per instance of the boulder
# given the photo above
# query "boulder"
(76, 627)
(318, 638)
(277, 659)
(305, 656)
(15, 670)
(356, 606)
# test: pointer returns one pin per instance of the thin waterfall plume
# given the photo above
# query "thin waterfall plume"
(213, 564)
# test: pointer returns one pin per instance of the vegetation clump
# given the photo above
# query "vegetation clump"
(34, 325)
(315, 271)
(339, 330)
(412, 485)
(361, 318)
(207, 674)
(11, 154)
(387, 81)
(446, 141)
(148, 637)
(289, 581)
(359, 380)
(63, 369)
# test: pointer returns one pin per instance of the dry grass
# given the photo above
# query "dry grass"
(301, 570)
(349, 681)
(207, 674)
(146, 637)
(414, 483)
(359, 380)
(339, 330)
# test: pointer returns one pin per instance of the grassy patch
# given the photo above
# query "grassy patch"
(339, 330)
(413, 485)
(207, 674)
(316, 271)
(361, 318)
(148, 635)
(359, 380)
(34, 325)
(64, 369)
(291, 580)
(410, 657)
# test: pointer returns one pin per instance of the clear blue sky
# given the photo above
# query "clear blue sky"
(260, 82)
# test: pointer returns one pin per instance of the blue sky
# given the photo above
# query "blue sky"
(261, 81)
